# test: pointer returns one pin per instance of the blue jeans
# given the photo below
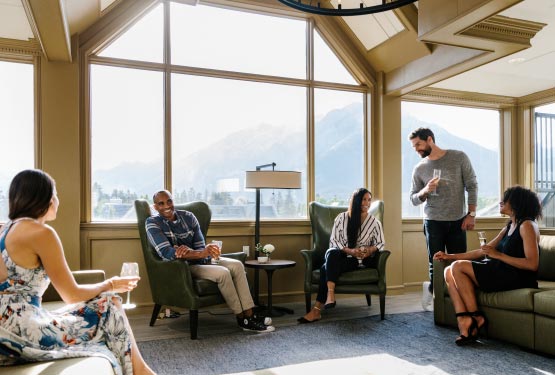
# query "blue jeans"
(445, 236)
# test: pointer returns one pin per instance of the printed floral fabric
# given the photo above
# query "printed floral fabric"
(30, 333)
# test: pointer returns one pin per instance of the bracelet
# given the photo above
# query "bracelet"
(111, 285)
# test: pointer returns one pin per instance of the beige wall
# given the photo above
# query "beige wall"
(60, 151)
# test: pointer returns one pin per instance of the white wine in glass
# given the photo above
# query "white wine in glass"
(483, 241)
(216, 260)
(129, 269)
(363, 250)
(437, 174)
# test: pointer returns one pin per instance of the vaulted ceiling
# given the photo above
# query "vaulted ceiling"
(500, 47)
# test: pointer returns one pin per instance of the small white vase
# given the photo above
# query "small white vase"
(262, 259)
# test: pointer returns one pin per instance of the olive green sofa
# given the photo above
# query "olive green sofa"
(86, 365)
(525, 317)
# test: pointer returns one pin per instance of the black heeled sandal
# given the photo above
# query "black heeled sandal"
(465, 340)
(330, 305)
(484, 326)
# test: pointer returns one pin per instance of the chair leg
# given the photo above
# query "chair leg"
(307, 302)
(155, 312)
(382, 305)
(193, 323)
(368, 300)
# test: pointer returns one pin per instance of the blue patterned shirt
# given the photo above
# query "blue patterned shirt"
(164, 234)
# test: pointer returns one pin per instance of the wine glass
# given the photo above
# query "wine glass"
(437, 174)
(483, 240)
(216, 260)
(129, 269)
(363, 250)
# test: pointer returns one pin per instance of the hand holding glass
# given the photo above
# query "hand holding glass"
(437, 174)
(363, 250)
(129, 269)
(216, 259)
(483, 241)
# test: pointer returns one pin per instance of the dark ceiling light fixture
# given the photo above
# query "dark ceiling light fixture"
(348, 8)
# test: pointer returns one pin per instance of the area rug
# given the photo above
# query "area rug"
(400, 344)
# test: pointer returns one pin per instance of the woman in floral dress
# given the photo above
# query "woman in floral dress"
(92, 324)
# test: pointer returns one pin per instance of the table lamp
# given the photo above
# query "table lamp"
(273, 179)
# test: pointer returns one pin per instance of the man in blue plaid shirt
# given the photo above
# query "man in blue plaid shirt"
(176, 235)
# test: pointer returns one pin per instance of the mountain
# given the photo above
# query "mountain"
(484, 161)
(338, 159)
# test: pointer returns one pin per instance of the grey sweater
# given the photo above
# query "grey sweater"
(457, 175)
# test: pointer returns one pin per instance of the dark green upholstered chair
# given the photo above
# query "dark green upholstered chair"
(365, 281)
(171, 282)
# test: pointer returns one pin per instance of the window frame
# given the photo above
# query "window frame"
(29, 53)
(507, 121)
(103, 33)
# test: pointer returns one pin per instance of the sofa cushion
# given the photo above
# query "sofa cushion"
(546, 285)
(70, 366)
(366, 275)
(544, 303)
(516, 300)
(546, 270)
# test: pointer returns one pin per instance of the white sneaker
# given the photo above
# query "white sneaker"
(427, 297)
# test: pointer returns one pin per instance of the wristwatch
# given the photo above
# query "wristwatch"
(471, 213)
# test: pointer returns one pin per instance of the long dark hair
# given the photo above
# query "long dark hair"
(524, 202)
(30, 194)
(353, 225)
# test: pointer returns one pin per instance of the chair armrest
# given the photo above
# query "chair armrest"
(381, 267)
(238, 256)
(171, 283)
(307, 256)
(439, 291)
(89, 276)
(81, 277)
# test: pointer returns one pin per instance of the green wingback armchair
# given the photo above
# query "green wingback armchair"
(171, 282)
(365, 281)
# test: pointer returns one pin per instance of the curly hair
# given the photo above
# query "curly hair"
(524, 202)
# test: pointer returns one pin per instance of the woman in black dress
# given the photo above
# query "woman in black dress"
(511, 263)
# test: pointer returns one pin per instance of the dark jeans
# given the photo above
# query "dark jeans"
(337, 262)
(445, 236)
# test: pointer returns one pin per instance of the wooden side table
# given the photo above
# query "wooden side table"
(270, 267)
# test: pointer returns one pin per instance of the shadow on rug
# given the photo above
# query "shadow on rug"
(400, 344)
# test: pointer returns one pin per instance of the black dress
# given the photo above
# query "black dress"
(494, 275)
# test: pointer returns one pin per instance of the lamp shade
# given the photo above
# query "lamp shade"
(273, 180)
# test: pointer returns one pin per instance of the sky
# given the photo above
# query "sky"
(463, 122)
(206, 109)
(16, 118)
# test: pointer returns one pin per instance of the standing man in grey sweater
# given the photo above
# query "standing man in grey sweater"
(446, 217)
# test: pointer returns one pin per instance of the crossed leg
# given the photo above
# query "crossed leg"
(461, 282)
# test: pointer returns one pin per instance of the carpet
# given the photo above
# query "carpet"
(400, 344)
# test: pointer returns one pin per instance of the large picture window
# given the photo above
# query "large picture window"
(544, 161)
(472, 130)
(17, 135)
(222, 104)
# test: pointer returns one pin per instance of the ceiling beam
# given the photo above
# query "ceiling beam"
(465, 37)
(48, 21)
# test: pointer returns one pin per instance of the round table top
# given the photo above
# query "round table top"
(272, 264)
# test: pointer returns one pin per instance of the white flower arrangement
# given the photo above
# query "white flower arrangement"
(266, 249)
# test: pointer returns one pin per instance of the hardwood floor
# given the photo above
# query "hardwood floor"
(220, 320)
